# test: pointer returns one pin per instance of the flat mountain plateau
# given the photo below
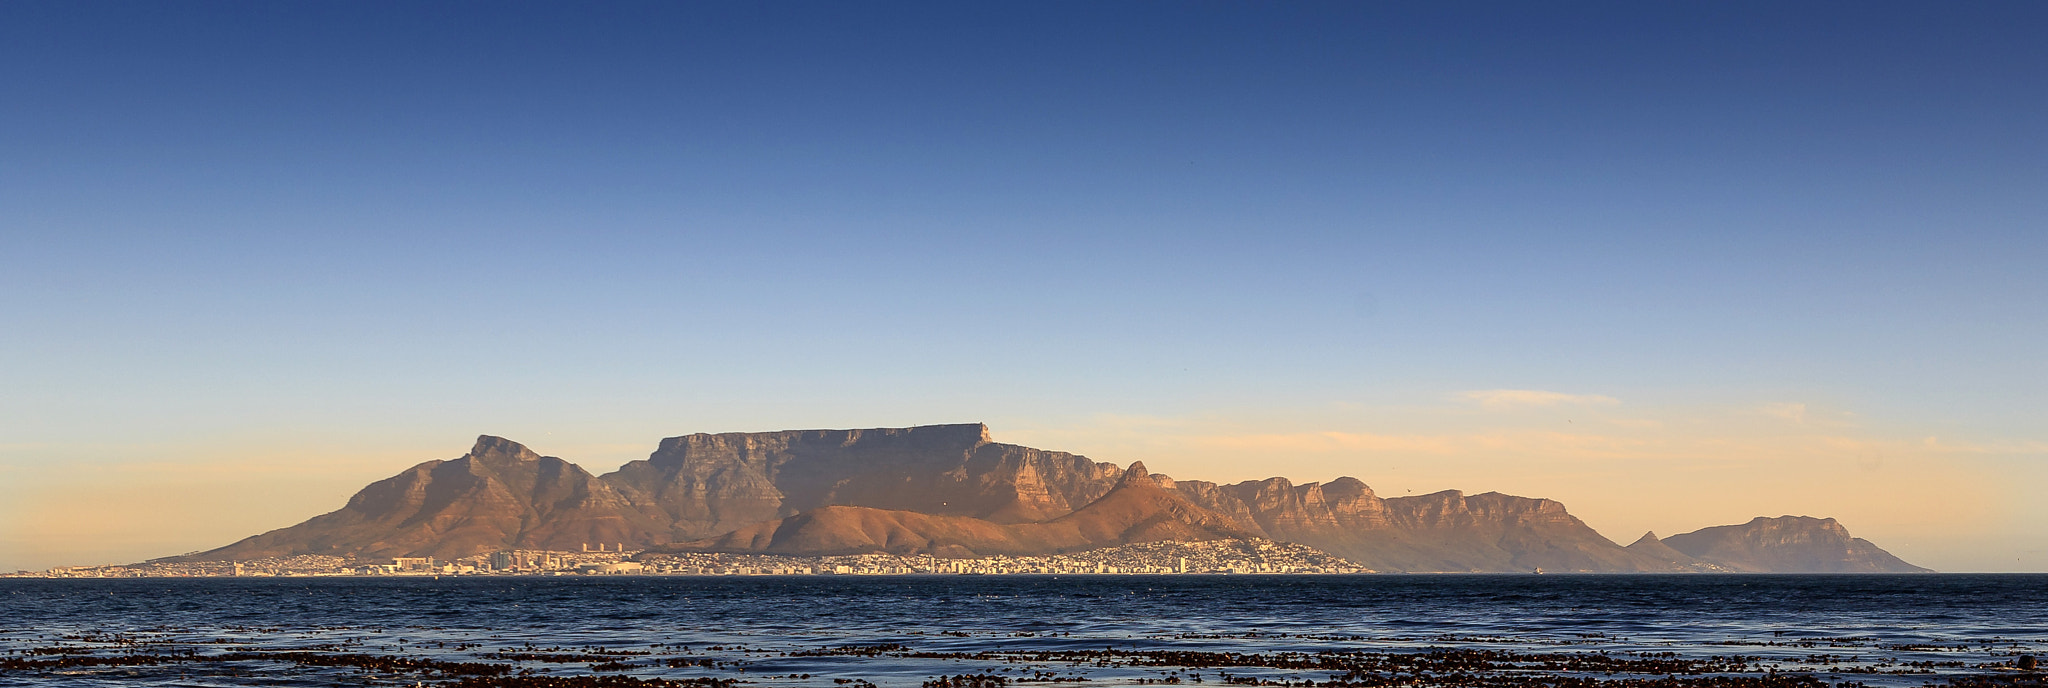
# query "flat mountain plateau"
(951, 491)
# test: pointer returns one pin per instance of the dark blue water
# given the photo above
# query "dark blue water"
(1876, 630)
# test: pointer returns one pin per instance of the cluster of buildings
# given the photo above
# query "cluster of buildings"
(1208, 557)
(302, 565)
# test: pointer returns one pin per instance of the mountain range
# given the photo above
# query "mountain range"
(951, 491)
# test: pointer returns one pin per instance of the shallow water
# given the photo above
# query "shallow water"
(1109, 630)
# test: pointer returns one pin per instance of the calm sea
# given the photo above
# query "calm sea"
(825, 631)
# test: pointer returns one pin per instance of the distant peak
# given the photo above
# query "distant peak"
(494, 447)
(1789, 520)
(1648, 537)
(1348, 487)
(1136, 475)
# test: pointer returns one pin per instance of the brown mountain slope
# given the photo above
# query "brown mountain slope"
(1137, 509)
(1493, 532)
(1788, 544)
(705, 485)
(1446, 531)
(1648, 545)
(498, 496)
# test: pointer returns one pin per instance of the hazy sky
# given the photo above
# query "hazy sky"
(1674, 264)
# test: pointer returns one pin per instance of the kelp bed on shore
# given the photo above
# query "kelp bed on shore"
(152, 658)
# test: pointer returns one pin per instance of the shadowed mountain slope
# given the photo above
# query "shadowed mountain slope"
(1137, 509)
(498, 496)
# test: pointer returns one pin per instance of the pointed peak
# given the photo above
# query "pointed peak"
(1136, 475)
(1347, 487)
(1648, 537)
(499, 448)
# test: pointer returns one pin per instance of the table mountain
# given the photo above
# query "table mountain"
(951, 489)
(705, 485)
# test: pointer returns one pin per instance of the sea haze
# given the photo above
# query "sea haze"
(1475, 630)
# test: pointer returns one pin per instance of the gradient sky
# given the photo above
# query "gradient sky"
(1675, 264)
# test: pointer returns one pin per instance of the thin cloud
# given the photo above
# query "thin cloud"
(1511, 398)
(1323, 442)
(1792, 412)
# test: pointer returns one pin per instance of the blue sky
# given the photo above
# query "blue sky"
(232, 231)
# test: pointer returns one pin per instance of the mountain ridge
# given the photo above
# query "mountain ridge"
(951, 490)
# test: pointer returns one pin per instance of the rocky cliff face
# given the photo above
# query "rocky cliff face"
(951, 490)
(706, 485)
(1788, 544)
(1446, 531)
(1135, 510)
(1493, 532)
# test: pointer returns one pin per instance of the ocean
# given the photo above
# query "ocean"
(1586, 631)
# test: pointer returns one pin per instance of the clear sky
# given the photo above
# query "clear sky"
(1676, 264)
